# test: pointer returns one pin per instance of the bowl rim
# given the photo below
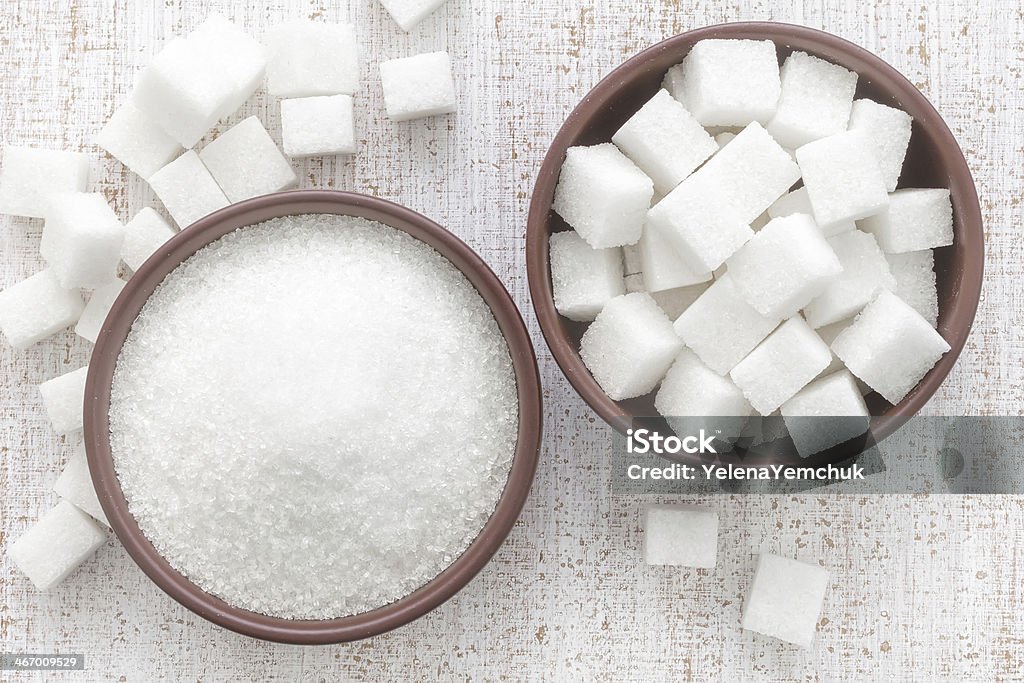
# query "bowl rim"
(430, 595)
(964, 194)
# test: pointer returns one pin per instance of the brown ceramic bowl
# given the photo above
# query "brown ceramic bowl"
(127, 308)
(933, 160)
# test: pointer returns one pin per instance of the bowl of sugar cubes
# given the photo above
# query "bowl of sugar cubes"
(759, 228)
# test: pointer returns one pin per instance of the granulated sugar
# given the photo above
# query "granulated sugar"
(314, 416)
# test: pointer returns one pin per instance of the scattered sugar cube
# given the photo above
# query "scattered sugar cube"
(630, 346)
(865, 271)
(664, 141)
(95, 313)
(30, 175)
(37, 308)
(187, 189)
(798, 201)
(632, 262)
(916, 219)
(731, 82)
(310, 58)
(635, 283)
(842, 179)
(700, 223)
(914, 272)
(680, 535)
(603, 195)
(584, 279)
(890, 346)
(784, 267)
(196, 81)
(675, 301)
(662, 266)
(144, 234)
(82, 239)
(64, 398)
(246, 162)
(721, 327)
(315, 126)
(694, 397)
(137, 142)
(888, 129)
(750, 173)
(409, 13)
(785, 599)
(673, 82)
(781, 365)
(815, 101)
(75, 486)
(827, 412)
(418, 86)
(56, 545)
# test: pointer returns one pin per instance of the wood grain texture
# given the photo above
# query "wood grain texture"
(924, 587)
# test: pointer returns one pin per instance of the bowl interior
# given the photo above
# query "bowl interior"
(127, 308)
(933, 160)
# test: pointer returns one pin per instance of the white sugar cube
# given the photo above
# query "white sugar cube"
(56, 545)
(82, 240)
(815, 102)
(632, 262)
(865, 272)
(676, 300)
(144, 234)
(781, 365)
(630, 346)
(915, 219)
(889, 130)
(246, 162)
(890, 346)
(914, 272)
(37, 308)
(315, 126)
(137, 142)
(827, 412)
(91, 322)
(699, 222)
(584, 279)
(635, 283)
(187, 189)
(603, 195)
(694, 397)
(784, 266)
(418, 86)
(75, 486)
(664, 141)
(828, 334)
(798, 201)
(196, 81)
(30, 176)
(842, 178)
(63, 399)
(310, 58)
(785, 599)
(409, 13)
(731, 82)
(673, 82)
(749, 173)
(721, 327)
(662, 266)
(680, 535)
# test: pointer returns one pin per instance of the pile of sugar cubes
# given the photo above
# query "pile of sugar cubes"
(742, 243)
(188, 87)
(786, 596)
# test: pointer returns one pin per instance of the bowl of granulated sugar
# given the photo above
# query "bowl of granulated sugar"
(313, 416)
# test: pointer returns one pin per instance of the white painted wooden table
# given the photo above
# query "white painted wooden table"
(931, 588)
